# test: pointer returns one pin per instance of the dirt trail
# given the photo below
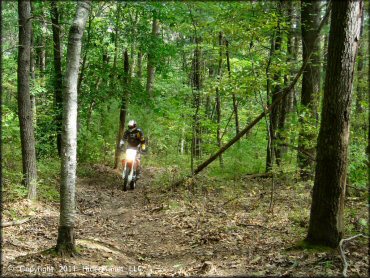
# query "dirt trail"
(153, 232)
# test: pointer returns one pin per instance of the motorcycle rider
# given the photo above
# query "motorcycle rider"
(135, 140)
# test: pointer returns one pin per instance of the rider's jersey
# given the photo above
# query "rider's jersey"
(134, 138)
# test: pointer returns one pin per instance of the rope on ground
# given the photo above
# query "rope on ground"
(342, 255)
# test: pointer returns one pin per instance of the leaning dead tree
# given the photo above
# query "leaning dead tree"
(281, 95)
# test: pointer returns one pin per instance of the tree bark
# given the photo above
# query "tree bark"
(235, 103)
(218, 97)
(368, 99)
(42, 48)
(66, 242)
(270, 153)
(288, 103)
(326, 218)
(310, 16)
(290, 50)
(151, 58)
(116, 29)
(197, 100)
(274, 149)
(32, 73)
(122, 114)
(325, 49)
(24, 100)
(58, 77)
(278, 116)
(139, 64)
(84, 59)
(360, 88)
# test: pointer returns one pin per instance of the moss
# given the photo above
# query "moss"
(305, 245)
(50, 252)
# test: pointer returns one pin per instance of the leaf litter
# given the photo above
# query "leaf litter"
(199, 231)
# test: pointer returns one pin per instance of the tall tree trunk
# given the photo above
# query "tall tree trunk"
(132, 59)
(276, 88)
(325, 50)
(368, 99)
(151, 57)
(360, 88)
(218, 97)
(58, 77)
(310, 16)
(274, 149)
(66, 241)
(84, 59)
(196, 85)
(218, 110)
(235, 103)
(290, 49)
(289, 101)
(42, 52)
(139, 64)
(24, 100)
(270, 153)
(123, 109)
(32, 74)
(116, 29)
(326, 218)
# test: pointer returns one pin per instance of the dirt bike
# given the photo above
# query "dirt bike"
(130, 165)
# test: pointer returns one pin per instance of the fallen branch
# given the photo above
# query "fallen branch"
(16, 222)
(259, 226)
(156, 209)
(261, 175)
(282, 94)
(230, 200)
(345, 264)
(358, 188)
(300, 150)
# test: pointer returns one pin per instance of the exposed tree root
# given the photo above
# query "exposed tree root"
(342, 255)
(17, 222)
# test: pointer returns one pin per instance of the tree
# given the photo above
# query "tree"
(32, 72)
(196, 86)
(310, 20)
(123, 109)
(273, 150)
(58, 81)
(24, 100)
(282, 94)
(66, 242)
(218, 97)
(235, 103)
(151, 56)
(368, 98)
(326, 218)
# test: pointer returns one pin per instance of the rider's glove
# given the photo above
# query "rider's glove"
(143, 148)
(121, 143)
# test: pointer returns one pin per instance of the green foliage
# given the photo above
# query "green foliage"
(167, 118)
(48, 179)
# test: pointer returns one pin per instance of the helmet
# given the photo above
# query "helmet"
(131, 125)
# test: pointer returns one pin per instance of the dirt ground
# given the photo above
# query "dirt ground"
(192, 231)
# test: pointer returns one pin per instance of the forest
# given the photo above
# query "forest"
(185, 138)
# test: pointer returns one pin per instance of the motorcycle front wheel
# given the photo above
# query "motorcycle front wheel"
(132, 185)
(125, 180)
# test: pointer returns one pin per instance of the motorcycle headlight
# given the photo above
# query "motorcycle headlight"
(130, 154)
